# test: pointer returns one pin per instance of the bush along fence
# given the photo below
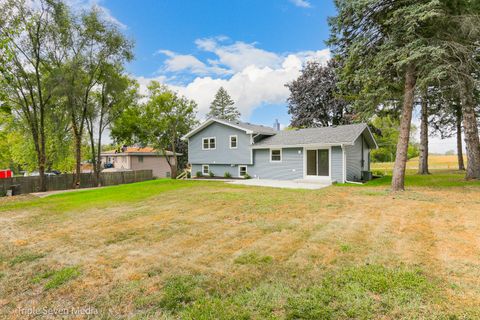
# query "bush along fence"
(22, 185)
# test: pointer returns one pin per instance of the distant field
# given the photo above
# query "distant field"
(435, 162)
(201, 250)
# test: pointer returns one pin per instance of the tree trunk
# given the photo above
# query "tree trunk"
(461, 165)
(78, 160)
(423, 160)
(41, 171)
(472, 142)
(398, 179)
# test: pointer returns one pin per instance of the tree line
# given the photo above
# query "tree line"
(63, 84)
(390, 56)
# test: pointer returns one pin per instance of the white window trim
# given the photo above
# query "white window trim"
(246, 170)
(329, 148)
(208, 138)
(203, 171)
(230, 141)
(281, 155)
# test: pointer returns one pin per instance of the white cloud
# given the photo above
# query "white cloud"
(186, 62)
(105, 12)
(301, 3)
(239, 55)
(252, 76)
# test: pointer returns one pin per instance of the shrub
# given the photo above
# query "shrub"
(247, 176)
(378, 173)
(198, 174)
(189, 174)
(227, 175)
(211, 174)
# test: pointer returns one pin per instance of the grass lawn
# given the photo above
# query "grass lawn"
(169, 249)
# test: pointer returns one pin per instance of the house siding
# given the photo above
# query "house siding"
(158, 165)
(219, 169)
(222, 153)
(354, 159)
(290, 168)
(337, 164)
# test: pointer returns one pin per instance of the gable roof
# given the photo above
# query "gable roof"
(249, 128)
(336, 135)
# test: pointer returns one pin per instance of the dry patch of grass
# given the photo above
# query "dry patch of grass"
(435, 162)
(215, 251)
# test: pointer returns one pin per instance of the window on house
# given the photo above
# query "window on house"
(242, 171)
(208, 143)
(276, 155)
(212, 143)
(233, 142)
(140, 159)
(205, 169)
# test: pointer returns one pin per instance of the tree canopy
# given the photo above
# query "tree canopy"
(315, 98)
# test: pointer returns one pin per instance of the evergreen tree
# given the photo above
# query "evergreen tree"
(391, 48)
(223, 107)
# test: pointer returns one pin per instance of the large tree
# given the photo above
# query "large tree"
(30, 38)
(385, 42)
(115, 93)
(160, 122)
(223, 107)
(91, 44)
(315, 99)
(446, 118)
(424, 113)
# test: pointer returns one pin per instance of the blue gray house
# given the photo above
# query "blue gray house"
(329, 154)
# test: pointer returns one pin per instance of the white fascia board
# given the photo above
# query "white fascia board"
(210, 121)
(311, 145)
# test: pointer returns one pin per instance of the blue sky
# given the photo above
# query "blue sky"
(242, 39)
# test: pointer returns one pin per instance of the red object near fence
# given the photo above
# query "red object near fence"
(5, 174)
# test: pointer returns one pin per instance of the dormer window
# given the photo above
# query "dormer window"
(209, 143)
(233, 142)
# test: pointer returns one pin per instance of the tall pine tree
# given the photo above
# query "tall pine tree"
(223, 107)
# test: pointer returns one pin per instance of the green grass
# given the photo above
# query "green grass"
(25, 257)
(103, 197)
(438, 179)
(57, 278)
(253, 258)
(180, 291)
(355, 292)
(359, 292)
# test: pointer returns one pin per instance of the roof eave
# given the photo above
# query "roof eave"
(209, 122)
(302, 145)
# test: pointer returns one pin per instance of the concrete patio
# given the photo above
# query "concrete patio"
(286, 184)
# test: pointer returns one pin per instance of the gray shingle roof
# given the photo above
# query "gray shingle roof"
(324, 135)
(253, 127)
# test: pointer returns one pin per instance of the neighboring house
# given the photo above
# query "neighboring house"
(330, 154)
(133, 158)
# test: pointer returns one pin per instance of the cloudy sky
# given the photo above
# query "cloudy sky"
(250, 47)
